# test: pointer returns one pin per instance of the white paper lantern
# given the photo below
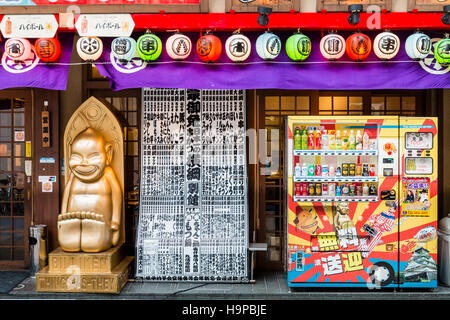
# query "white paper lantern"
(418, 46)
(386, 45)
(268, 46)
(123, 48)
(332, 46)
(238, 47)
(178, 46)
(18, 49)
(89, 48)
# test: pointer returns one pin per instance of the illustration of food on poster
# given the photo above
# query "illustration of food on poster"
(415, 193)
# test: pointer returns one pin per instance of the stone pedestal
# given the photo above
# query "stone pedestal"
(103, 272)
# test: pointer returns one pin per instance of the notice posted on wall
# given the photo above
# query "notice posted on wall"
(193, 218)
(416, 197)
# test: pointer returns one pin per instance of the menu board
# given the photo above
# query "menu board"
(193, 218)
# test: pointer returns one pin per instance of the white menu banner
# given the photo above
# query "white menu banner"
(29, 26)
(105, 25)
(193, 218)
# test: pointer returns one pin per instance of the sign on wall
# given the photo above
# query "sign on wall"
(427, 5)
(342, 6)
(193, 219)
(29, 26)
(86, 2)
(101, 25)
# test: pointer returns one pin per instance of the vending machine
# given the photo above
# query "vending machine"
(361, 201)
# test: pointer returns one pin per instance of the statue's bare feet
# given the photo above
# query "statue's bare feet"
(69, 231)
(95, 233)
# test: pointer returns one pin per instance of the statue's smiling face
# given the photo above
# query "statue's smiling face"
(88, 157)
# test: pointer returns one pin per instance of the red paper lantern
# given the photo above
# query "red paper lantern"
(358, 46)
(209, 48)
(47, 49)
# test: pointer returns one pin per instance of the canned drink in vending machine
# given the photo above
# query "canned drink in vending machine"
(352, 189)
(304, 189)
(318, 170)
(345, 190)
(331, 189)
(298, 192)
(325, 189)
(311, 189)
(359, 190)
(325, 170)
(365, 171)
(318, 189)
(372, 170)
(351, 169)
(345, 169)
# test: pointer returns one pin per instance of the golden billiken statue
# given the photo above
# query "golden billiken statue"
(92, 203)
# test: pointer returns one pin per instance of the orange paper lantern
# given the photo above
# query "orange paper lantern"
(209, 48)
(358, 46)
(47, 49)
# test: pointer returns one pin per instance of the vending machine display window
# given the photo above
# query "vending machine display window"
(417, 165)
(419, 140)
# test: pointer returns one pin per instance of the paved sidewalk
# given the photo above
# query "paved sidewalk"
(268, 286)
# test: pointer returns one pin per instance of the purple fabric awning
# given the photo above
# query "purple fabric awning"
(38, 74)
(315, 73)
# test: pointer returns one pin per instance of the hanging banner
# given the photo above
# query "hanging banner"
(37, 73)
(101, 25)
(29, 26)
(315, 73)
(87, 2)
(193, 213)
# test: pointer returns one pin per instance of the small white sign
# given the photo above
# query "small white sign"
(47, 186)
(47, 160)
(47, 178)
(105, 25)
(29, 26)
(19, 135)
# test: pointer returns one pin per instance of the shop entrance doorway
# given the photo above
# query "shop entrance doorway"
(15, 185)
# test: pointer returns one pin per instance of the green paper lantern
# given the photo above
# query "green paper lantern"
(298, 47)
(149, 47)
(442, 51)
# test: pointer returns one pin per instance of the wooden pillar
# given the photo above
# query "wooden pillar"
(46, 164)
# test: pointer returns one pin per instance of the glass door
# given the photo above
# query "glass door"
(15, 187)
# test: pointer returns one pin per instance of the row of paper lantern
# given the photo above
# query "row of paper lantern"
(358, 46)
(148, 47)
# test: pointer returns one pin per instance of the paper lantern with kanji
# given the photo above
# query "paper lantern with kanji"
(89, 48)
(386, 45)
(238, 47)
(47, 49)
(268, 46)
(418, 46)
(18, 49)
(178, 46)
(442, 51)
(358, 46)
(209, 48)
(332, 46)
(298, 47)
(123, 48)
(149, 47)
